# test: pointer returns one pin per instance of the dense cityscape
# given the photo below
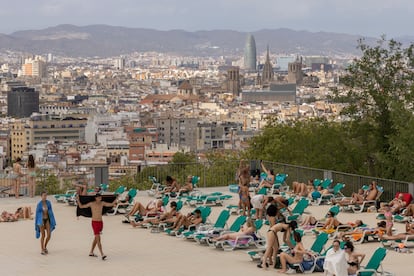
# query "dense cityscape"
(136, 110)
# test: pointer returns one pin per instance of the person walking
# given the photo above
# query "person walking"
(97, 222)
(45, 222)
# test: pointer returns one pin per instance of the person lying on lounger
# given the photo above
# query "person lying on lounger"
(153, 207)
(396, 205)
(188, 186)
(356, 198)
(247, 229)
(358, 233)
(167, 217)
(409, 231)
(185, 221)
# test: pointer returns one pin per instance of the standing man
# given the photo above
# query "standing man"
(97, 223)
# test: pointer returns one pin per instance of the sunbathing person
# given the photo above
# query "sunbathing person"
(247, 229)
(356, 198)
(372, 192)
(396, 205)
(167, 217)
(410, 210)
(188, 186)
(270, 178)
(172, 186)
(24, 212)
(331, 223)
(300, 188)
(308, 221)
(358, 232)
(8, 217)
(153, 207)
(298, 252)
(190, 219)
(409, 231)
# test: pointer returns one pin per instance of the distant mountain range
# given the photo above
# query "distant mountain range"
(105, 41)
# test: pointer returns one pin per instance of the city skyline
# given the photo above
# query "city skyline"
(367, 18)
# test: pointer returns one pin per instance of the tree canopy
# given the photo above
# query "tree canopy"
(375, 135)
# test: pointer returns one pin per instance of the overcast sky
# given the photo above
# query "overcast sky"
(363, 17)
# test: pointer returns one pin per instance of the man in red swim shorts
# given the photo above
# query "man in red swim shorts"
(97, 223)
(97, 227)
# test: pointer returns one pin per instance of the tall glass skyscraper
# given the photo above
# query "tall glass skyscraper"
(250, 54)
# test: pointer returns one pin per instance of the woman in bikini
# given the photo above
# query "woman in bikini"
(153, 207)
(270, 179)
(298, 252)
(388, 219)
(247, 229)
(44, 222)
(354, 259)
(272, 241)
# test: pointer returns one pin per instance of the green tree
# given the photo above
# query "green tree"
(378, 90)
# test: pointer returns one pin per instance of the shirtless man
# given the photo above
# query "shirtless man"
(97, 223)
(168, 217)
(357, 198)
(188, 186)
(191, 219)
(153, 207)
(372, 192)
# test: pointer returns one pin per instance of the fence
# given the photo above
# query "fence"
(222, 173)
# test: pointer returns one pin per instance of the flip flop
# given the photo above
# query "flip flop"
(93, 255)
(103, 258)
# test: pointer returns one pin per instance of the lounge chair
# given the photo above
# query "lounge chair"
(326, 198)
(3, 191)
(63, 198)
(280, 183)
(298, 210)
(205, 229)
(156, 186)
(308, 266)
(374, 265)
(205, 213)
(243, 242)
(356, 208)
(123, 207)
(215, 198)
(234, 227)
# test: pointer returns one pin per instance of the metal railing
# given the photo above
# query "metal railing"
(222, 173)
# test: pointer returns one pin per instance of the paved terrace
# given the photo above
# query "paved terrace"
(139, 252)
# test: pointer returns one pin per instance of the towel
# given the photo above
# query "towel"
(87, 212)
(39, 217)
(335, 263)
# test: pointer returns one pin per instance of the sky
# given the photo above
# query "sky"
(393, 18)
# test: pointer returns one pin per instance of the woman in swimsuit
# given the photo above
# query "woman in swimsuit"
(388, 219)
(354, 259)
(272, 241)
(270, 179)
(44, 222)
(298, 252)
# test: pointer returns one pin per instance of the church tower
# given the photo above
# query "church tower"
(267, 75)
(233, 81)
(295, 74)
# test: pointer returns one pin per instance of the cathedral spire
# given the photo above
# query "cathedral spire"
(267, 75)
